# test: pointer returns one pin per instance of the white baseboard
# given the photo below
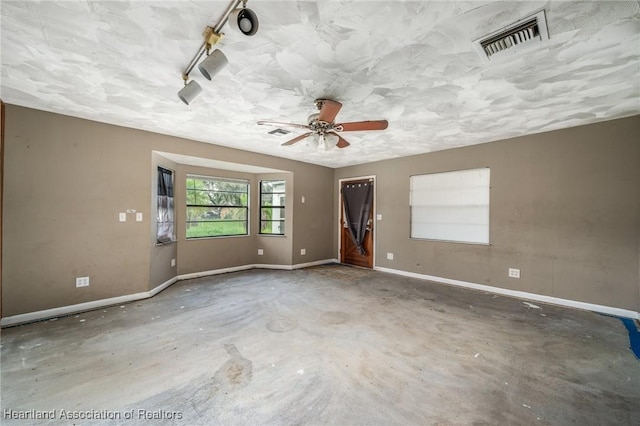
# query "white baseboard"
(102, 303)
(255, 266)
(316, 263)
(162, 286)
(519, 294)
(82, 307)
(213, 272)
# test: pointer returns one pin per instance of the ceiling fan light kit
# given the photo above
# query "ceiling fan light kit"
(322, 124)
(242, 19)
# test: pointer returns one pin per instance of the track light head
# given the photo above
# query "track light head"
(213, 64)
(189, 92)
(245, 21)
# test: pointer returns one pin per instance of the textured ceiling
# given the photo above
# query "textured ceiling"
(411, 63)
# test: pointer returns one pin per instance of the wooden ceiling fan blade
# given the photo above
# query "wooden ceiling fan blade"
(278, 124)
(328, 109)
(342, 142)
(361, 125)
(297, 139)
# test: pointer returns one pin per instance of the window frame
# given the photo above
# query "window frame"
(272, 208)
(246, 207)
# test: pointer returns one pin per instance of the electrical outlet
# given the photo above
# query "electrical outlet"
(138, 217)
(260, 252)
(173, 262)
(82, 282)
(378, 217)
(122, 217)
(514, 273)
(303, 251)
(390, 256)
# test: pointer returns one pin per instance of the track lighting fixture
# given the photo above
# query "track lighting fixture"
(213, 64)
(244, 20)
(189, 91)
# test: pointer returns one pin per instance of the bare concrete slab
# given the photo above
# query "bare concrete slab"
(324, 345)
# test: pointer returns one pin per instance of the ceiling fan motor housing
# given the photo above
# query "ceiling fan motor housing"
(323, 124)
(312, 118)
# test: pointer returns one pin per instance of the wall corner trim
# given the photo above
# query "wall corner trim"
(619, 312)
(102, 303)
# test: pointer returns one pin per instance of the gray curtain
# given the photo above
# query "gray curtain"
(357, 199)
(165, 206)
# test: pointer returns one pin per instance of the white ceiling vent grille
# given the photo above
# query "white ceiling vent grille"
(513, 38)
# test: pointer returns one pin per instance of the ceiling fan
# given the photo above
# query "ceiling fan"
(323, 125)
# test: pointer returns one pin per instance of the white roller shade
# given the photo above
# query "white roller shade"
(451, 206)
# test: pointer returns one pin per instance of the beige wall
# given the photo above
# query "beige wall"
(65, 181)
(565, 209)
(207, 254)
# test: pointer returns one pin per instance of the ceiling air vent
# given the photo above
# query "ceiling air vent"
(524, 33)
(279, 132)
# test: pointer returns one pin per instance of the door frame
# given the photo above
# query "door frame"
(375, 222)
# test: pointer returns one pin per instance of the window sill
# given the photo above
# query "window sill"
(216, 237)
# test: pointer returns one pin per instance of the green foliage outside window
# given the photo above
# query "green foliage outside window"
(216, 207)
(272, 202)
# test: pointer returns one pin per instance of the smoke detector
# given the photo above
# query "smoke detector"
(513, 38)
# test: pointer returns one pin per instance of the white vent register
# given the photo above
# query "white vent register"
(526, 32)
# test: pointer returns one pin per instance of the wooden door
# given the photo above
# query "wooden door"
(348, 250)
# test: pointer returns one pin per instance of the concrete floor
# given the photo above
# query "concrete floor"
(324, 345)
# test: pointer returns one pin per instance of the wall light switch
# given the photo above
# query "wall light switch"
(122, 217)
(379, 216)
(173, 262)
(260, 252)
(82, 282)
(302, 199)
(138, 217)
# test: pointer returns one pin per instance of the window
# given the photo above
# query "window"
(216, 207)
(272, 197)
(451, 206)
(164, 219)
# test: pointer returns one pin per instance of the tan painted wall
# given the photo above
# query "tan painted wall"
(315, 234)
(565, 209)
(66, 179)
(207, 254)
(65, 184)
